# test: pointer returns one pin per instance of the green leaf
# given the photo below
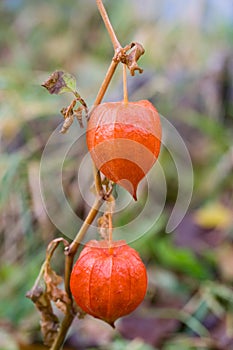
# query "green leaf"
(179, 259)
(70, 81)
(59, 82)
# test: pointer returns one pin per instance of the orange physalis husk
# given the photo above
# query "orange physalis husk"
(108, 282)
(124, 141)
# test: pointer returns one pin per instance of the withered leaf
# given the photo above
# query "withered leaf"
(133, 57)
(103, 226)
(59, 82)
(49, 321)
(78, 113)
(67, 123)
(105, 221)
(46, 290)
(59, 296)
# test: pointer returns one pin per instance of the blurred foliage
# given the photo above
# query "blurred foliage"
(188, 75)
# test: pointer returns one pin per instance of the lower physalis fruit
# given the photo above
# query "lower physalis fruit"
(108, 282)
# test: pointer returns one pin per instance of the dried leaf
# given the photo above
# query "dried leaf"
(49, 321)
(42, 296)
(78, 113)
(67, 123)
(69, 113)
(104, 221)
(60, 82)
(133, 57)
(59, 296)
(103, 226)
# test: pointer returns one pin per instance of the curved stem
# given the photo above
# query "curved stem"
(108, 25)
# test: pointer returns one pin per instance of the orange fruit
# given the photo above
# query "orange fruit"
(108, 282)
(124, 141)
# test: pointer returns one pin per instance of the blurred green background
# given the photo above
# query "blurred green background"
(188, 75)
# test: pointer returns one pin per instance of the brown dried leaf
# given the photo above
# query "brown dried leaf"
(60, 82)
(49, 321)
(78, 113)
(103, 226)
(42, 297)
(133, 57)
(49, 325)
(104, 221)
(67, 123)
(69, 113)
(56, 294)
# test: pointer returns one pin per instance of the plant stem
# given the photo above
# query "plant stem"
(68, 268)
(98, 100)
(106, 82)
(97, 179)
(125, 84)
(108, 25)
(66, 323)
(77, 240)
(91, 216)
(71, 251)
